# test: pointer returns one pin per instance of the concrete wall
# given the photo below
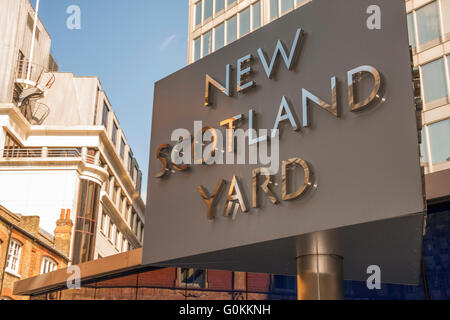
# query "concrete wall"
(16, 35)
(42, 192)
(72, 100)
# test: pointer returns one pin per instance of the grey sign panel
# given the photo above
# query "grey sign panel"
(367, 185)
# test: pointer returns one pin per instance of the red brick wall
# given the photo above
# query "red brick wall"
(220, 280)
(164, 278)
(258, 282)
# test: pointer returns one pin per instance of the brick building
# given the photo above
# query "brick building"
(26, 250)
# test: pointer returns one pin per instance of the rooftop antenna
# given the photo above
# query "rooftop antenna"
(32, 40)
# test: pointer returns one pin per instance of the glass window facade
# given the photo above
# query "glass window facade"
(207, 43)
(193, 277)
(220, 5)
(446, 18)
(114, 133)
(274, 8)
(122, 149)
(256, 8)
(231, 29)
(105, 115)
(230, 2)
(207, 9)
(428, 24)
(85, 226)
(411, 34)
(197, 48)
(244, 22)
(423, 148)
(434, 81)
(219, 36)
(286, 5)
(198, 14)
(440, 141)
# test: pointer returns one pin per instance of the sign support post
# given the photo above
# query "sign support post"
(320, 277)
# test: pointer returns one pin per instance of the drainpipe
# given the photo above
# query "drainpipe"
(33, 40)
(11, 227)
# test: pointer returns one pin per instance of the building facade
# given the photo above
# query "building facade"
(62, 146)
(26, 250)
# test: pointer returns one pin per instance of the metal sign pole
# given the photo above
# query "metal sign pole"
(32, 41)
(320, 277)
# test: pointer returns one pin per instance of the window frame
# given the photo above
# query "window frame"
(10, 258)
(51, 265)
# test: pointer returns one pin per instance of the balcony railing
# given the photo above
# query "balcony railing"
(34, 75)
(45, 153)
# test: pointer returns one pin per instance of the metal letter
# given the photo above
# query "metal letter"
(211, 82)
(198, 144)
(306, 181)
(165, 169)
(289, 61)
(351, 82)
(333, 108)
(211, 201)
(252, 137)
(282, 117)
(234, 197)
(264, 186)
(242, 73)
(230, 123)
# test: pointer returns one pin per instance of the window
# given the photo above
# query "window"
(48, 265)
(192, 277)
(231, 29)
(423, 148)
(103, 224)
(113, 232)
(105, 115)
(198, 13)
(85, 226)
(114, 134)
(220, 5)
(15, 250)
(434, 81)
(286, 5)
(208, 9)
(411, 33)
(197, 48)
(116, 237)
(142, 233)
(428, 25)
(139, 182)
(219, 34)
(122, 149)
(244, 22)
(207, 43)
(20, 64)
(124, 245)
(256, 8)
(273, 9)
(440, 141)
(130, 162)
(446, 18)
(284, 283)
(230, 2)
(119, 241)
(133, 221)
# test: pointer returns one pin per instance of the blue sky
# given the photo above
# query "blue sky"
(129, 45)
